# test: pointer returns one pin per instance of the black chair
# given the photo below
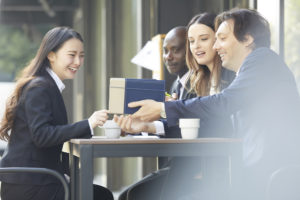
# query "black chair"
(39, 170)
(284, 183)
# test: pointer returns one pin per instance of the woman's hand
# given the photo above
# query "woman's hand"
(130, 125)
(98, 118)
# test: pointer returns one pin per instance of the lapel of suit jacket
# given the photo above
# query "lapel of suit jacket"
(59, 98)
(173, 87)
(184, 93)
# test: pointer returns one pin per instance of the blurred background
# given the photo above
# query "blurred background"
(114, 31)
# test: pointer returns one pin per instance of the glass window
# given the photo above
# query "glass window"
(291, 31)
(271, 13)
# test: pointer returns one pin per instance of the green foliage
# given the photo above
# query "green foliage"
(16, 50)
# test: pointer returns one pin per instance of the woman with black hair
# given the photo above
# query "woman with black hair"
(35, 121)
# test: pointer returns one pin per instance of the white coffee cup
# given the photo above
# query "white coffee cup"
(112, 130)
(189, 127)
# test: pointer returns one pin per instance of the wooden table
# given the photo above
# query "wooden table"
(83, 151)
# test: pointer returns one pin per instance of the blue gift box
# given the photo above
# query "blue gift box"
(123, 91)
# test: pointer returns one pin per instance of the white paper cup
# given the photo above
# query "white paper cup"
(189, 127)
(112, 130)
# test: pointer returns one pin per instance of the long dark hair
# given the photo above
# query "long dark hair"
(201, 77)
(52, 41)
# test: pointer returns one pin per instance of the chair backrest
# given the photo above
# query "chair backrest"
(284, 183)
(39, 170)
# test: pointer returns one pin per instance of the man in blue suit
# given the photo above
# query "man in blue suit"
(263, 99)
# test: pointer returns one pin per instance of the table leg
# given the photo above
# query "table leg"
(86, 173)
(73, 164)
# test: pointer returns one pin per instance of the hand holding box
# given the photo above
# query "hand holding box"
(123, 91)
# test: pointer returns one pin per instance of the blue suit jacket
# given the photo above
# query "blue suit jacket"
(265, 101)
(40, 128)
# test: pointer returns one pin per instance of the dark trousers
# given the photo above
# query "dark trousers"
(45, 192)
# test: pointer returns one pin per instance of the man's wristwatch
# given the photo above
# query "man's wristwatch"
(162, 111)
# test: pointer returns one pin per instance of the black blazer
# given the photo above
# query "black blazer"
(39, 130)
(265, 101)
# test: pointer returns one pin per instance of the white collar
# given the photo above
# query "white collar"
(183, 79)
(61, 86)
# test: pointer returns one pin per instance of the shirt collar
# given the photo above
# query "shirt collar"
(61, 86)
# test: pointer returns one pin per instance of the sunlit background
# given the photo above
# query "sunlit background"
(114, 31)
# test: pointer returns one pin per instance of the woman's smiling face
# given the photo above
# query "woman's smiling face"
(201, 39)
(66, 61)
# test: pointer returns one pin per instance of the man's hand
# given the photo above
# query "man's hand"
(149, 111)
(130, 125)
